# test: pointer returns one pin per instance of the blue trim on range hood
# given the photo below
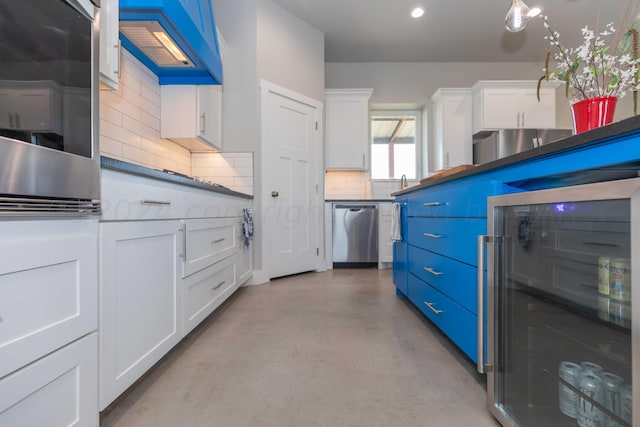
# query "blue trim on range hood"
(192, 26)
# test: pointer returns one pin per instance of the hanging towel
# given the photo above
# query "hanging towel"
(247, 226)
(396, 234)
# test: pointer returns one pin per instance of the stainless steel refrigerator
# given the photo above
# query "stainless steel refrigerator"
(506, 142)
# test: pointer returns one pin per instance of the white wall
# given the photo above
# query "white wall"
(264, 42)
(290, 51)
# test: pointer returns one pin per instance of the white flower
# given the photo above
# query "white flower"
(595, 68)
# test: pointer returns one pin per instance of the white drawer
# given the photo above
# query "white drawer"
(208, 241)
(60, 390)
(48, 295)
(206, 290)
(130, 197)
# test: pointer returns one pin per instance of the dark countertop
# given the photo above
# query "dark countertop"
(133, 169)
(358, 200)
(594, 136)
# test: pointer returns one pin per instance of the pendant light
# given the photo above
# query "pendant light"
(517, 17)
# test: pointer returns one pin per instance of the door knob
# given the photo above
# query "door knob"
(274, 194)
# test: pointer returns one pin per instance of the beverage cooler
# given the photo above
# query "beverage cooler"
(563, 332)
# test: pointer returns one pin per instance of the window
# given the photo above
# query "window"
(394, 142)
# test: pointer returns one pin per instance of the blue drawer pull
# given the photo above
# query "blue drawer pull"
(434, 236)
(430, 305)
(433, 204)
(434, 272)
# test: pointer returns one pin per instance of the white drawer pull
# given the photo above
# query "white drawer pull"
(155, 202)
(434, 272)
(433, 204)
(433, 236)
(218, 285)
(430, 305)
(218, 240)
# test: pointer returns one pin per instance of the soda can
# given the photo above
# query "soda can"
(603, 308)
(620, 313)
(591, 367)
(590, 386)
(626, 403)
(620, 279)
(611, 384)
(603, 275)
(567, 398)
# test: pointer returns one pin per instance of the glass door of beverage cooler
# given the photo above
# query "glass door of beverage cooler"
(563, 344)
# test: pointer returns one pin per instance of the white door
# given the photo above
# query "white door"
(291, 210)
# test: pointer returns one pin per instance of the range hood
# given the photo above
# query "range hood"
(176, 39)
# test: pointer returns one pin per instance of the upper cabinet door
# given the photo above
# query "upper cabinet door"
(512, 105)
(109, 45)
(347, 128)
(191, 115)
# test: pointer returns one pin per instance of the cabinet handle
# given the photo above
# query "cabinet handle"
(432, 271)
(184, 242)
(218, 285)
(155, 202)
(218, 240)
(433, 204)
(433, 236)
(202, 123)
(364, 163)
(481, 242)
(18, 121)
(432, 308)
(118, 48)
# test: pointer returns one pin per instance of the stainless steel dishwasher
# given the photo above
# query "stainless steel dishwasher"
(355, 235)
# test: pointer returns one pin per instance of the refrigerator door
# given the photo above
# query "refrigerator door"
(560, 306)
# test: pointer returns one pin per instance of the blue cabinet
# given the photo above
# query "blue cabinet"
(440, 255)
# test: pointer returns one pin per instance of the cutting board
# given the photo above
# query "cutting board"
(446, 172)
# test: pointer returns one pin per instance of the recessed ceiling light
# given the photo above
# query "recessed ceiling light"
(417, 12)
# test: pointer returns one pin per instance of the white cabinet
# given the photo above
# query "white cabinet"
(48, 319)
(59, 390)
(31, 106)
(452, 111)
(208, 241)
(110, 47)
(347, 128)
(513, 104)
(385, 244)
(170, 255)
(191, 115)
(140, 300)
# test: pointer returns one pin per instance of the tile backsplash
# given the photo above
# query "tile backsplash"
(130, 131)
(358, 185)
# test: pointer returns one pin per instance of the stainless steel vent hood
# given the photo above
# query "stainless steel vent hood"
(176, 39)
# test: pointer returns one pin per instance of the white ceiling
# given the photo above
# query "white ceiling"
(450, 30)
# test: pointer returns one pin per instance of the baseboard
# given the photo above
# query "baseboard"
(258, 277)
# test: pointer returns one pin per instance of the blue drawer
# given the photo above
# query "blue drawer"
(455, 199)
(454, 320)
(453, 237)
(456, 280)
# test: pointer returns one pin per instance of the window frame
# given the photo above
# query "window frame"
(406, 112)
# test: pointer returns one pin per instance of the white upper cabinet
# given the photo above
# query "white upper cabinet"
(347, 128)
(191, 115)
(452, 126)
(109, 44)
(513, 104)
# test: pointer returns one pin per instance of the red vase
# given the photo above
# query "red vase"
(593, 112)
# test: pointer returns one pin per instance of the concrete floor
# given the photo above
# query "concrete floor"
(327, 349)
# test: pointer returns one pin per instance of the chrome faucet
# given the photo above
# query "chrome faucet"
(403, 181)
